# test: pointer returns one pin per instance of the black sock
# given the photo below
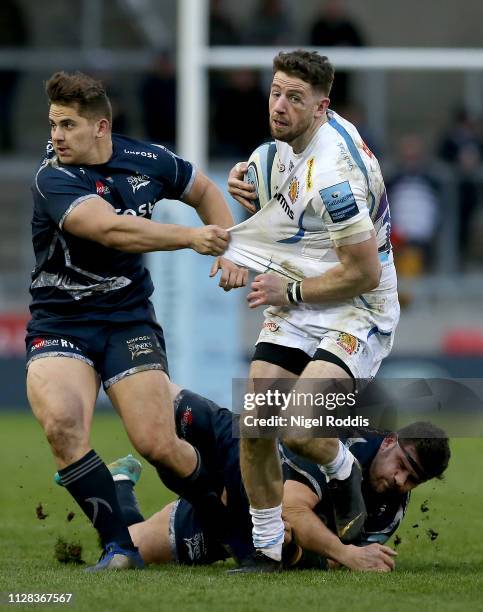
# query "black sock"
(128, 502)
(90, 484)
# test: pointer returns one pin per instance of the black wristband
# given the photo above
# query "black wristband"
(298, 292)
(290, 296)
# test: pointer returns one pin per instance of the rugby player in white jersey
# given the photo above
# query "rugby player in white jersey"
(322, 247)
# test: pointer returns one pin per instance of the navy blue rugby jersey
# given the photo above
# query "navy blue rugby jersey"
(74, 277)
(384, 512)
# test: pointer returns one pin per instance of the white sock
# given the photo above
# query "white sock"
(340, 467)
(268, 531)
(120, 477)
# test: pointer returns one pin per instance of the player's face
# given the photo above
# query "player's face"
(295, 110)
(74, 137)
(390, 471)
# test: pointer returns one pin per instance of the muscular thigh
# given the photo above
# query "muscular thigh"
(62, 389)
(144, 403)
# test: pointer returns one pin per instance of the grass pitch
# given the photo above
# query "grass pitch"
(440, 562)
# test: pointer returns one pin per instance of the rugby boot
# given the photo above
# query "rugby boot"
(349, 507)
(116, 558)
(257, 563)
(126, 466)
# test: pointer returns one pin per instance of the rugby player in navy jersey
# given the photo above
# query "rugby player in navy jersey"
(392, 465)
(92, 320)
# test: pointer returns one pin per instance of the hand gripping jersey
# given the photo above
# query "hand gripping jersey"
(76, 277)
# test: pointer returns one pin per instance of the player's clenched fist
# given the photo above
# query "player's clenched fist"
(242, 192)
(209, 240)
(268, 289)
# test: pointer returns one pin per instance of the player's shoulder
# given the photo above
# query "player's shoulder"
(51, 172)
(140, 150)
(365, 448)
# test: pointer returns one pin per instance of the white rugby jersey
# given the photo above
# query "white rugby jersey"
(331, 194)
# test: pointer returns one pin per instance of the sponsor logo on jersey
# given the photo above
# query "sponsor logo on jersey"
(142, 153)
(142, 345)
(280, 166)
(102, 189)
(293, 190)
(339, 201)
(349, 343)
(291, 166)
(284, 204)
(309, 180)
(138, 181)
(144, 210)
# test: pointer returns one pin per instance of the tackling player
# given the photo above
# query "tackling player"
(92, 320)
(322, 245)
(392, 465)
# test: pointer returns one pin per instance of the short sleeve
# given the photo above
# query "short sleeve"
(174, 172)
(344, 209)
(59, 191)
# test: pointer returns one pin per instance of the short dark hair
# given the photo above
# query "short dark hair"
(308, 66)
(431, 444)
(81, 89)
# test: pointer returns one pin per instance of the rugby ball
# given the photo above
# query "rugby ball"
(262, 172)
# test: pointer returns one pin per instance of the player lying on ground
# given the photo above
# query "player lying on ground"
(392, 466)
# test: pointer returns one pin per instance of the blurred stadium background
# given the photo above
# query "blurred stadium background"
(194, 75)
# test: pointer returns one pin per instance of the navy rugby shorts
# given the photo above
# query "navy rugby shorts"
(189, 543)
(114, 350)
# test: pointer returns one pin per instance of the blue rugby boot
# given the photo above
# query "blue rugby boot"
(116, 558)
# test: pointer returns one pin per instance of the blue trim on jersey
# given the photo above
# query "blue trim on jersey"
(355, 154)
(298, 236)
(271, 150)
(376, 330)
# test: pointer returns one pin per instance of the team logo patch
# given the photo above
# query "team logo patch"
(186, 420)
(310, 173)
(293, 190)
(195, 546)
(139, 181)
(339, 201)
(102, 189)
(349, 343)
(271, 326)
(142, 345)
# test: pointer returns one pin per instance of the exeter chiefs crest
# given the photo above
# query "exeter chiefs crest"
(293, 190)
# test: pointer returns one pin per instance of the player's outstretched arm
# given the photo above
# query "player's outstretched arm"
(311, 534)
(208, 201)
(96, 220)
(242, 192)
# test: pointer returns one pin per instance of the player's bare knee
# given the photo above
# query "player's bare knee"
(300, 446)
(158, 452)
(63, 431)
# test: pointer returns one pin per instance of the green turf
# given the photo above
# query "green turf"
(444, 574)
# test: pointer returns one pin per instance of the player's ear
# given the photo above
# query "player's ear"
(322, 102)
(103, 127)
(389, 441)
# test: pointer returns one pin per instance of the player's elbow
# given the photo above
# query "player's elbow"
(373, 277)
